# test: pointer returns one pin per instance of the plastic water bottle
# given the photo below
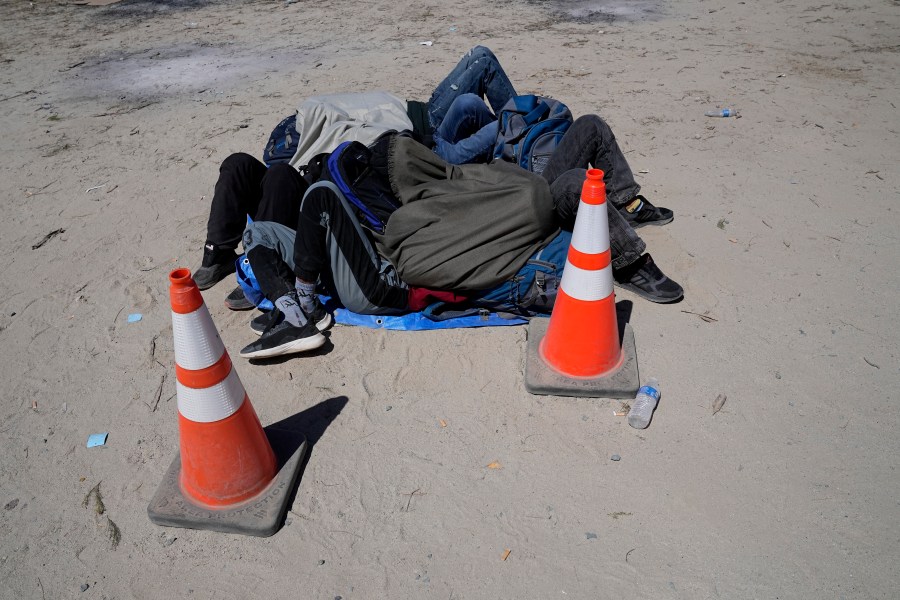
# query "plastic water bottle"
(722, 112)
(644, 404)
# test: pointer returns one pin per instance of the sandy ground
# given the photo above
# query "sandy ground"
(785, 237)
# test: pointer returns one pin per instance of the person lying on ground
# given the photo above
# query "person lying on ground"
(469, 229)
(275, 195)
(480, 71)
(508, 218)
(244, 188)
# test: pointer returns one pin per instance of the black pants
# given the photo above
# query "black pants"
(246, 187)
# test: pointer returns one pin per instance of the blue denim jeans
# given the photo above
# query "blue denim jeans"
(459, 133)
(468, 132)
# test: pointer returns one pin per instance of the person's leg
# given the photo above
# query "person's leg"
(270, 248)
(467, 133)
(250, 190)
(478, 72)
(282, 192)
(632, 269)
(625, 244)
(331, 244)
(590, 142)
(237, 193)
(289, 329)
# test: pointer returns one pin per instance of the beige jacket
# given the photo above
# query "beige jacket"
(324, 122)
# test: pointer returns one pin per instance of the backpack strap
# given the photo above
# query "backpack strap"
(537, 114)
(348, 208)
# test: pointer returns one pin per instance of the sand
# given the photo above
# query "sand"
(114, 122)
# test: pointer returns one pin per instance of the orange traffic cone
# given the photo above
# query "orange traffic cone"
(579, 353)
(226, 477)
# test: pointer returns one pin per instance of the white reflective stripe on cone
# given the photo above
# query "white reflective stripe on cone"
(207, 405)
(591, 232)
(587, 285)
(197, 341)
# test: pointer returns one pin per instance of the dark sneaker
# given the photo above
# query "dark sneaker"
(218, 263)
(260, 322)
(646, 280)
(236, 300)
(321, 317)
(640, 212)
(284, 338)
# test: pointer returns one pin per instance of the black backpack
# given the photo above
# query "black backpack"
(360, 174)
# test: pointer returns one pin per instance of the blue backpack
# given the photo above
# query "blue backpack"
(352, 168)
(283, 142)
(530, 129)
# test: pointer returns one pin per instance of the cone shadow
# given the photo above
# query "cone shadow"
(309, 424)
(623, 317)
(304, 427)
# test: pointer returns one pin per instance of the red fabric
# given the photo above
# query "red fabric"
(419, 297)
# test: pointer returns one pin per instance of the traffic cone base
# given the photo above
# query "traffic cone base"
(541, 378)
(260, 515)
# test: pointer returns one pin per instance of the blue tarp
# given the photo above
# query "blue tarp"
(419, 321)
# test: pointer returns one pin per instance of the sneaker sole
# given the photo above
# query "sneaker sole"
(301, 345)
(323, 324)
(657, 223)
(646, 295)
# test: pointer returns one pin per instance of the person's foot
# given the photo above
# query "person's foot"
(261, 322)
(645, 279)
(218, 263)
(284, 338)
(236, 300)
(321, 317)
(640, 212)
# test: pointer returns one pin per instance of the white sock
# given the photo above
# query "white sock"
(306, 293)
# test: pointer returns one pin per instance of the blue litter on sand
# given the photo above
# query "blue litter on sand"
(135, 317)
(97, 439)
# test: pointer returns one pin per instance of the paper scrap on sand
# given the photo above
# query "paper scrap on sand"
(718, 403)
(97, 439)
(495, 465)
